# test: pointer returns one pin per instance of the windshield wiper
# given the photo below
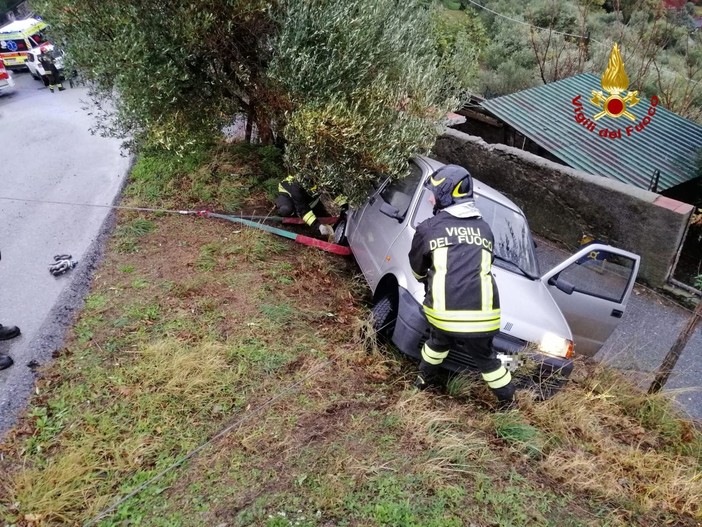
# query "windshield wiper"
(503, 259)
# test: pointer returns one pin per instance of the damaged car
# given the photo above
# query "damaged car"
(547, 317)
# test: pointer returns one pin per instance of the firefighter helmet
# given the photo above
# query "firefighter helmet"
(450, 184)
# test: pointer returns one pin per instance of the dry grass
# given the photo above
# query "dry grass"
(193, 324)
(452, 447)
(604, 442)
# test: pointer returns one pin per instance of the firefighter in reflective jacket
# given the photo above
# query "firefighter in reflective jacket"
(452, 254)
(52, 76)
(294, 198)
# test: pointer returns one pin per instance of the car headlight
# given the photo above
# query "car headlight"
(552, 344)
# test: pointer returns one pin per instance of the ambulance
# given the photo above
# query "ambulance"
(17, 38)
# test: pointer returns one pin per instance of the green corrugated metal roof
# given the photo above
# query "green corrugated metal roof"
(546, 115)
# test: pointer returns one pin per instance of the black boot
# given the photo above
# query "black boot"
(8, 332)
(428, 376)
(420, 383)
(5, 362)
(505, 397)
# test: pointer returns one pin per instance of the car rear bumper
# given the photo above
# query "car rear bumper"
(7, 85)
(412, 330)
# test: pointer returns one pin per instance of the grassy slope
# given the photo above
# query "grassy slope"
(194, 324)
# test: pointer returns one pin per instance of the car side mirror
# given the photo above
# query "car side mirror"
(391, 211)
(562, 285)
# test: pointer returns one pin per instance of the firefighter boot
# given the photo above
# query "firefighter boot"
(5, 362)
(427, 376)
(60, 87)
(505, 397)
(8, 332)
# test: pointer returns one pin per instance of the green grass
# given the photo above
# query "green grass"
(211, 325)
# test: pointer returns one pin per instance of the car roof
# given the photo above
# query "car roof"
(481, 188)
(19, 25)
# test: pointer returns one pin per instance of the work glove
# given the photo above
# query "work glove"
(63, 263)
(326, 230)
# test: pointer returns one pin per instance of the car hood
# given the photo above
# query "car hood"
(528, 309)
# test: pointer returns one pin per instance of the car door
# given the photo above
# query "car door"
(592, 288)
(381, 221)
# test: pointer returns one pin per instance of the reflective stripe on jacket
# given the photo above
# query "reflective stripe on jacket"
(303, 201)
(454, 255)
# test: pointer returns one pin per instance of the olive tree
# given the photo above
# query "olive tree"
(365, 85)
(176, 70)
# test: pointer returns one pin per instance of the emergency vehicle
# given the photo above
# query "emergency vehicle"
(17, 38)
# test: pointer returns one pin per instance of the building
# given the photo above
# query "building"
(658, 150)
(647, 146)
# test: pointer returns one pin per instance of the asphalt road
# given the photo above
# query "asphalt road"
(649, 327)
(49, 154)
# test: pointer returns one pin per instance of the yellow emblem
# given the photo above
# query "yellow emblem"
(615, 82)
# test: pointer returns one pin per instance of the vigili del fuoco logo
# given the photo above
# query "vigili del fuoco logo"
(614, 101)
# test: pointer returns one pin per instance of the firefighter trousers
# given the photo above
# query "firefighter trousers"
(479, 349)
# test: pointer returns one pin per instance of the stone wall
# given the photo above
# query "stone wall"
(562, 204)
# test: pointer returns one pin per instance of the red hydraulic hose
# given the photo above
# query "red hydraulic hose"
(299, 238)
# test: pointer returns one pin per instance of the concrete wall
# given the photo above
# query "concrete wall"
(562, 204)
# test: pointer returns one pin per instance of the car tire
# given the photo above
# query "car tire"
(383, 316)
(36, 77)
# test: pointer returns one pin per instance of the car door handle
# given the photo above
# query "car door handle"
(617, 313)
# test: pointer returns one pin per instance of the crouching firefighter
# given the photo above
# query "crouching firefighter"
(452, 253)
(293, 198)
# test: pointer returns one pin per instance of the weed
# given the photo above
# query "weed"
(140, 283)
(96, 302)
(278, 314)
(207, 259)
(525, 437)
(136, 228)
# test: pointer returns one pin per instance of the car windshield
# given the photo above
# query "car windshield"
(514, 248)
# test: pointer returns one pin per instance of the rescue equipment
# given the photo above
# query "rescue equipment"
(299, 238)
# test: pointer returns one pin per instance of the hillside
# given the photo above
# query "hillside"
(202, 334)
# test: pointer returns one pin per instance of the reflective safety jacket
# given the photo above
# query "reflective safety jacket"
(303, 200)
(453, 257)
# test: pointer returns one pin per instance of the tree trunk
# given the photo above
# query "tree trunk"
(250, 116)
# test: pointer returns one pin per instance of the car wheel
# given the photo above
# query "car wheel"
(36, 77)
(384, 314)
(340, 233)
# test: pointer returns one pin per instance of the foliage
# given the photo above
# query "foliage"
(366, 89)
(179, 70)
(461, 38)
(663, 56)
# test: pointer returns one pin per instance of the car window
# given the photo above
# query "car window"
(513, 242)
(600, 273)
(13, 45)
(399, 193)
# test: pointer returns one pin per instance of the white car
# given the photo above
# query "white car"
(34, 65)
(547, 317)
(7, 83)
